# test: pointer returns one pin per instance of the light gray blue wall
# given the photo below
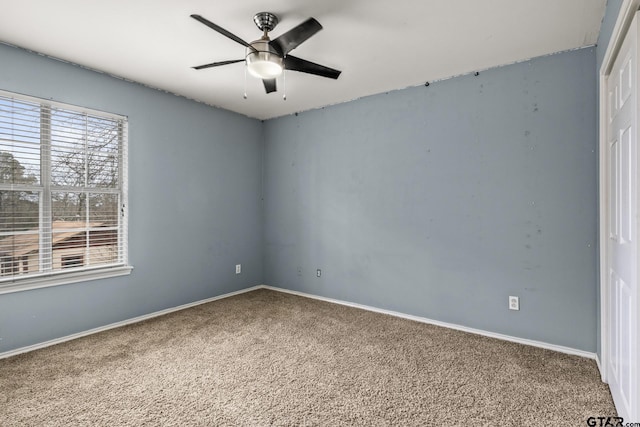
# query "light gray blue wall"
(194, 204)
(438, 201)
(606, 28)
(442, 201)
(608, 22)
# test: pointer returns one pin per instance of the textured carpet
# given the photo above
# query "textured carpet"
(270, 359)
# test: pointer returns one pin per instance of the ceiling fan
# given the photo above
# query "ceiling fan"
(266, 59)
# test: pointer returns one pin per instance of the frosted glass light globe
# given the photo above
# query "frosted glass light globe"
(263, 61)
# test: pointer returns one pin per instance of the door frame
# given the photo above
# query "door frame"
(625, 16)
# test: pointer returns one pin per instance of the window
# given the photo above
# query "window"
(71, 261)
(63, 182)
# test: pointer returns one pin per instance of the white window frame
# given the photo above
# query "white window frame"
(47, 278)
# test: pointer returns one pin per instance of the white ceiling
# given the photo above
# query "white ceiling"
(379, 45)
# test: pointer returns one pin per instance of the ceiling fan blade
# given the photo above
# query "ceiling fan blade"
(269, 85)
(296, 64)
(220, 30)
(217, 64)
(293, 38)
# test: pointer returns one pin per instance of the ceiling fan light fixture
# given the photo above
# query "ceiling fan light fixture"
(266, 58)
(262, 60)
(265, 68)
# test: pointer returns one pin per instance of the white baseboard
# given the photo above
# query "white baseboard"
(600, 369)
(540, 344)
(121, 323)
(524, 341)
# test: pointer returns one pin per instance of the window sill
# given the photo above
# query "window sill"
(63, 279)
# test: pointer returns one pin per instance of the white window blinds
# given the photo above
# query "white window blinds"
(62, 189)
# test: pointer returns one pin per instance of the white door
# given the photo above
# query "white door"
(622, 212)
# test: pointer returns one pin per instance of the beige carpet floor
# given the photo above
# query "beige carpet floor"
(266, 358)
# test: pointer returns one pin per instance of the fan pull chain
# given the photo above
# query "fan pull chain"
(284, 84)
(245, 82)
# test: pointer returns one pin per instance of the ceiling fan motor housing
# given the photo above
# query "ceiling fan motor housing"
(263, 61)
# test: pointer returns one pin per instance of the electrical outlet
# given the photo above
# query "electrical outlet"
(238, 268)
(514, 303)
(318, 273)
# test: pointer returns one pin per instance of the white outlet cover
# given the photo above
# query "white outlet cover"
(514, 303)
(238, 268)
